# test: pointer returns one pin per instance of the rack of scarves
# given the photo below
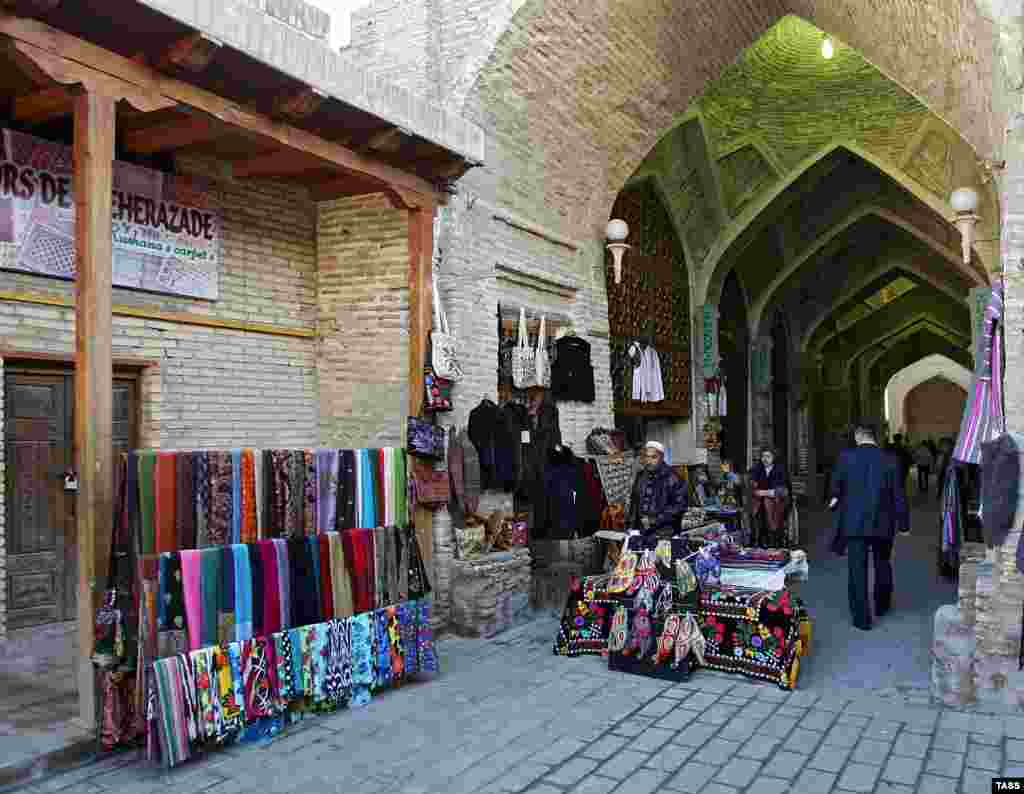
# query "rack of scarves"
(184, 499)
(251, 689)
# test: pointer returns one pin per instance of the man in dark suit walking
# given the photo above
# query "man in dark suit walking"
(868, 491)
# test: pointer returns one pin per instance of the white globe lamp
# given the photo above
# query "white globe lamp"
(965, 201)
(616, 233)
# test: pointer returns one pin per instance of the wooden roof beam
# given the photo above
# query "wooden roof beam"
(188, 130)
(276, 163)
(343, 185)
(76, 60)
(193, 53)
(298, 105)
(42, 106)
(388, 141)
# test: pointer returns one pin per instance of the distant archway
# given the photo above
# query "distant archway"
(904, 381)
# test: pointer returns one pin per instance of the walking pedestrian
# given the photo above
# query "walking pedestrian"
(868, 491)
(924, 459)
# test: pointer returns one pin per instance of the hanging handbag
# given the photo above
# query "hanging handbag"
(424, 439)
(524, 360)
(444, 349)
(541, 360)
(438, 395)
(686, 580)
(625, 570)
(667, 641)
(619, 634)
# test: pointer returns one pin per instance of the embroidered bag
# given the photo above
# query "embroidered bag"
(438, 396)
(625, 570)
(542, 362)
(424, 439)
(667, 641)
(524, 363)
(686, 580)
(619, 635)
(444, 349)
(432, 487)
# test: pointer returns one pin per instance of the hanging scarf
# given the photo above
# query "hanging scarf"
(285, 676)
(315, 669)
(407, 613)
(347, 490)
(425, 638)
(211, 724)
(951, 514)
(309, 506)
(338, 678)
(296, 492)
(147, 501)
(381, 649)
(277, 471)
(175, 628)
(360, 488)
(165, 478)
(284, 582)
(256, 465)
(184, 508)
(173, 734)
(401, 488)
(394, 632)
(243, 592)
(271, 588)
(328, 462)
(227, 617)
(256, 680)
(230, 704)
(234, 651)
(257, 589)
(236, 496)
(201, 488)
(219, 524)
(313, 549)
(983, 418)
(190, 575)
(359, 559)
(340, 582)
(380, 567)
(131, 498)
(210, 581)
(298, 681)
(362, 659)
(305, 603)
(326, 582)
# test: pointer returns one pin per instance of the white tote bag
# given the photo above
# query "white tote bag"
(524, 363)
(444, 348)
(543, 364)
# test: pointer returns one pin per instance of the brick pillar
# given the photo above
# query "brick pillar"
(761, 393)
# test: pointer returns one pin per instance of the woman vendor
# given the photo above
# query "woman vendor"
(769, 500)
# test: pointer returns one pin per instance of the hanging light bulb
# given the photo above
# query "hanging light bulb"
(827, 49)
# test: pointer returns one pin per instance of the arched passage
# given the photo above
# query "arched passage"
(907, 379)
(734, 349)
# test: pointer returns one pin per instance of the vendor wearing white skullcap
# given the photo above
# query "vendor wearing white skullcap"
(659, 496)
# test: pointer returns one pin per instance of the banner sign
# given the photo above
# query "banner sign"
(709, 315)
(166, 228)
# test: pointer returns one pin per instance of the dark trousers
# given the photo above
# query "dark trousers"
(857, 551)
(923, 473)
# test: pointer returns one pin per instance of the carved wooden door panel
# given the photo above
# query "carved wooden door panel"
(42, 552)
(37, 452)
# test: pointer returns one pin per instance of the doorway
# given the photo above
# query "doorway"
(42, 553)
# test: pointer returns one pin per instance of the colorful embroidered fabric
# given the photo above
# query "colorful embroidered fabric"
(362, 659)
(381, 650)
(425, 638)
(395, 645)
(586, 621)
(338, 677)
(258, 695)
(408, 615)
(753, 633)
(285, 675)
(174, 739)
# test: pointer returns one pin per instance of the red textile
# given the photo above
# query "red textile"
(358, 545)
(774, 508)
(326, 579)
(249, 534)
(165, 476)
(271, 588)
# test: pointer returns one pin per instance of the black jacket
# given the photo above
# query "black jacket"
(869, 485)
(545, 435)
(572, 375)
(483, 432)
(669, 501)
(564, 509)
(1001, 492)
(513, 419)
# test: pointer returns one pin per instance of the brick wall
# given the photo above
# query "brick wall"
(213, 387)
(934, 409)
(363, 318)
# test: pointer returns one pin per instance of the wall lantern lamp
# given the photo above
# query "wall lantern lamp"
(616, 233)
(964, 202)
(827, 49)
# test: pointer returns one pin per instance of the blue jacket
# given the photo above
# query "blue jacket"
(869, 486)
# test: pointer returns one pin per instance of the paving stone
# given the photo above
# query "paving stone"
(759, 747)
(900, 769)
(738, 772)
(1014, 749)
(859, 777)
(976, 781)
(843, 735)
(692, 777)
(770, 785)
(831, 703)
(950, 740)
(871, 751)
(759, 709)
(812, 781)
(522, 775)
(853, 719)
(558, 751)
(990, 739)
(716, 684)
(912, 744)
(718, 788)
(945, 762)
(981, 756)
(671, 757)
(830, 758)
(543, 788)
(738, 730)
(883, 730)
(1013, 727)
(717, 714)
(643, 781)
(933, 784)
(605, 746)
(695, 735)
(595, 785)
(652, 739)
(659, 708)
(817, 720)
(622, 764)
(677, 719)
(719, 751)
(789, 711)
(771, 693)
(632, 727)
(779, 727)
(786, 764)
(803, 741)
(893, 788)
(700, 701)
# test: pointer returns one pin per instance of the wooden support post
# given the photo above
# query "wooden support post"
(93, 169)
(421, 253)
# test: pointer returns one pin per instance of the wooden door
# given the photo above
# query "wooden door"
(37, 453)
(42, 550)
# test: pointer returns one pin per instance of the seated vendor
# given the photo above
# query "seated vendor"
(768, 500)
(659, 497)
(729, 494)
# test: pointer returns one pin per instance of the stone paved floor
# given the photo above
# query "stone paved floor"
(508, 716)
